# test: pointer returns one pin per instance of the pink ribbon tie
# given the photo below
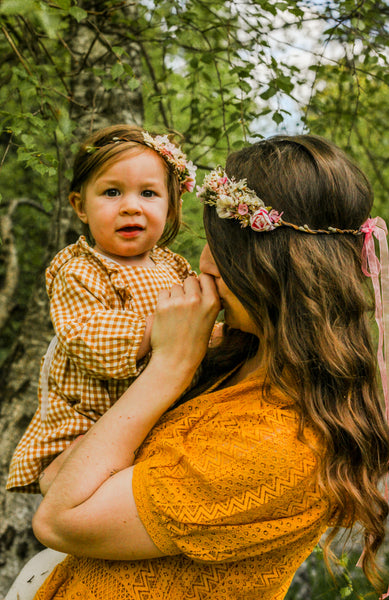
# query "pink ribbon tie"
(372, 267)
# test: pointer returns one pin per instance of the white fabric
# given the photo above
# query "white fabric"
(34, 574)
(45, 377)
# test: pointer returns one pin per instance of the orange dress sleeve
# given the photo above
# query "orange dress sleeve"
(225, 477)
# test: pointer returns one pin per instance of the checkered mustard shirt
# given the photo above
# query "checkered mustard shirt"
(98, 309)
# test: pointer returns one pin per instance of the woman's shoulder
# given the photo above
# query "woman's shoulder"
(245, 416)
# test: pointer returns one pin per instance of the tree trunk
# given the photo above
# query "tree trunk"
(90, 44)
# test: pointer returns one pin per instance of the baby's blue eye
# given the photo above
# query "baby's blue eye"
(148, 193)
(112, 192)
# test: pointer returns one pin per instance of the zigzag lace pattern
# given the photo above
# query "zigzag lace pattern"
(225, 488)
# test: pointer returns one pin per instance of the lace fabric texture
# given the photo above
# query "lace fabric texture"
(227, 491)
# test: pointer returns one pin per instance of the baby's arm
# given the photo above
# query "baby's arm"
(145, 345)
(102, 339)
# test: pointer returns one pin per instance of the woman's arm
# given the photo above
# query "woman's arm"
(89, 507)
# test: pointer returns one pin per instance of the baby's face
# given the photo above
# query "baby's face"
(126, 206)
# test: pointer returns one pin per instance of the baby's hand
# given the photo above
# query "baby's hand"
(145, 345)
(47, 476)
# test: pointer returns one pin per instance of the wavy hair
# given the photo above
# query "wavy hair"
(310, 301)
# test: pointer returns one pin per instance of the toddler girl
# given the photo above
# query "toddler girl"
(126, 189)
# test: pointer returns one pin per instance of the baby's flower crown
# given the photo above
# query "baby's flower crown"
(183, 168)
(173, 155)
(235, 200)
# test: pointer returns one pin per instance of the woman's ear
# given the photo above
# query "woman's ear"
(78, 206)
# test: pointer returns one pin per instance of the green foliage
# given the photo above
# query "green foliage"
(198, 79)
(348, 103)
(198, 89)
(317, 584)
(351, 109)
(208, 72)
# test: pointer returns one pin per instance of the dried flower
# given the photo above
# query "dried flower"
(235, 200)
(183, 168)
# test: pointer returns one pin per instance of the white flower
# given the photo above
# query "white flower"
(225, 201)
(184, 169)
(224, 213)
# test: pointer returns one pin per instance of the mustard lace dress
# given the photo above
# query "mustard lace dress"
(227, 491)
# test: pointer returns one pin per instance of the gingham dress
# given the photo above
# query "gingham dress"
(98, 309)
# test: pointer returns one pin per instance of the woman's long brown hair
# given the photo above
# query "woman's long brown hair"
(310, 301)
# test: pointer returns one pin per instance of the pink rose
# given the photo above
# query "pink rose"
(261, 221)
(243, 209)
(275, 216)
(189, 185)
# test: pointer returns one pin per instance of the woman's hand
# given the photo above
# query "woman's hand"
(183, 323)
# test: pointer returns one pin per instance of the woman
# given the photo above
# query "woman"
(225, 494)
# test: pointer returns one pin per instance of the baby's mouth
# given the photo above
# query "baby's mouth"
(131, 228)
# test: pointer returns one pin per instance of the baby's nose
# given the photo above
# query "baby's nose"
(130, 203)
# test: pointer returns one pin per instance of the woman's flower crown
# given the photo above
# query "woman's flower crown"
(235, 200)
(183, 168)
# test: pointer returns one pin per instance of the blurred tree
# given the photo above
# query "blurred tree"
(50, 97)
(351, 109)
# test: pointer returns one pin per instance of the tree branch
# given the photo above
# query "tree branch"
(14, 48)
(372, 159)
(27, 202)
(155, 83)
(8, 289)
